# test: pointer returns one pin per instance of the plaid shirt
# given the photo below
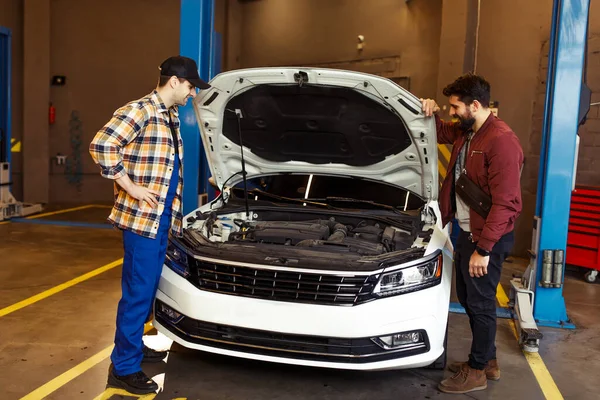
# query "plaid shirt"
(137, 141)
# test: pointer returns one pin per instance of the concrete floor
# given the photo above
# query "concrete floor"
(43, 340)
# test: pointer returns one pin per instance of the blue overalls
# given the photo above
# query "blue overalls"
(142, 267)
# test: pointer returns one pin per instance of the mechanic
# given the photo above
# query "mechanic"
(484, 170)
(141, 149)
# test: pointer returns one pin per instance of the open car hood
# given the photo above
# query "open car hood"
(317, 121)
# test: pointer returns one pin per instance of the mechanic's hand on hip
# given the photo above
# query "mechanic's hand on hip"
(144, 195)
(138, 192)
(478, 265)
(430, 107)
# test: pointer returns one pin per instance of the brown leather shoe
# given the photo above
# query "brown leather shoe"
(492, 369)
(465, 380)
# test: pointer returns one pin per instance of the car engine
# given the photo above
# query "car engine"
(364, 237)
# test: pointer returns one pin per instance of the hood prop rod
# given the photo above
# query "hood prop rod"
(239, 116)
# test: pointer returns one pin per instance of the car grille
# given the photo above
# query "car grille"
(316, 348)
(283, 285)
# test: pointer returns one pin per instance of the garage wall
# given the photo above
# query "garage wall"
(281, 32)
(453, 44)
(11, 16)
(109, 52)
(513, 57)
(589, 133)
(589, 148)
(232, 30)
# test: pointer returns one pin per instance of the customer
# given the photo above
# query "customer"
(489, 154)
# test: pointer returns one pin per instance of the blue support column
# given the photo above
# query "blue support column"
(563, 93)
(5, 94)
(196, 42)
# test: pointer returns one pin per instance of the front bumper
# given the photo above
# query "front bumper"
(305, 334)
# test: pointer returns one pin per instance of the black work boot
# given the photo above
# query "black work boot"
(153, 356)
(137, 383)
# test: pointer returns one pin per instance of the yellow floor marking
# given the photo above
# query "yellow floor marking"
(534, 360)
(61, 380)
(62, 212)
(67, 210)
(110, 392)
(59, 288)
(543, 376)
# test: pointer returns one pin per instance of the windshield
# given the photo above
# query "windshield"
(334, 190)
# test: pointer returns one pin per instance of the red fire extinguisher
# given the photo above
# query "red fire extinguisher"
(51, 114)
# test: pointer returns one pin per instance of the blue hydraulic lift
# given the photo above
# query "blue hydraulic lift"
(567, 104)
(537, 298)
(199, 41)
(5, 84)
(9, 206)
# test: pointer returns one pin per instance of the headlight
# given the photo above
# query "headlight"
(177, 260)
(418, 275)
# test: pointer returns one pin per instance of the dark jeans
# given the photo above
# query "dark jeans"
(478, 295)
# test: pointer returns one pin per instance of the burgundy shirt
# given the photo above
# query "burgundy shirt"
(494, 163)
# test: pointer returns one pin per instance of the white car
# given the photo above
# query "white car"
(331, 253)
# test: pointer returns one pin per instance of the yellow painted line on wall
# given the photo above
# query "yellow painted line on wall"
(445, 152)
(501, 296)
(59, 288)
(61, 380)
(441, 169)
(445, 156)
(15, 145)
(537, 365)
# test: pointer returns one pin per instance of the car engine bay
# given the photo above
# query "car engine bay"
(361, 236)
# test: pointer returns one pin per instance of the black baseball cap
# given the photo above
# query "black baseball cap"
(184, 68)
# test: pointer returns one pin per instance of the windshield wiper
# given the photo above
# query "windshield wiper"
(295, 200)
(370, 202)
